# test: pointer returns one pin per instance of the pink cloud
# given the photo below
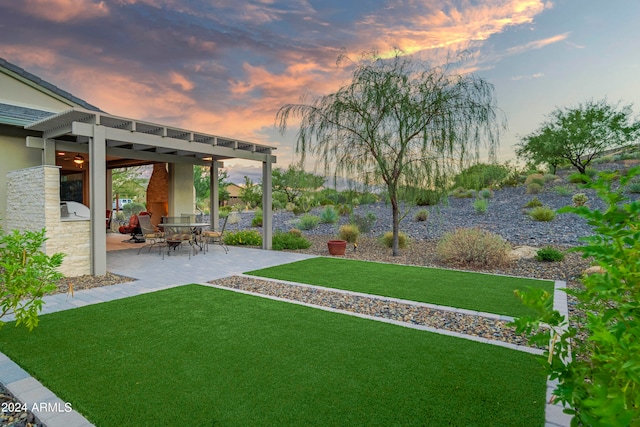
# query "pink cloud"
(63, 10)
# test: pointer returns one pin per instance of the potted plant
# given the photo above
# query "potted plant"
(337, 247)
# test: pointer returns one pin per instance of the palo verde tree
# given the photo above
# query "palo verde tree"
(580, 134)
(201, 177)
(400, 123)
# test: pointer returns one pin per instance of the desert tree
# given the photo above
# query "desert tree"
(580, 134)
(295, 181)
(400, 123)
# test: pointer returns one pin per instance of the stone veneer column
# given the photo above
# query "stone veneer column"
(33, 203)
(158, 193)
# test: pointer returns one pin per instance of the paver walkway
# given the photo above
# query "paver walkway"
(152, 273)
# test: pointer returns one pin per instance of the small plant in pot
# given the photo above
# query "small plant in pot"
(347, 233)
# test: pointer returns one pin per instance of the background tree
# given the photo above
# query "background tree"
(294, 181)
(580, 134)
(128, 183)
(201, 183)
(250, 193)
(400, 122)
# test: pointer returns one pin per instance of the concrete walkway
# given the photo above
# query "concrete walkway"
(154, 273)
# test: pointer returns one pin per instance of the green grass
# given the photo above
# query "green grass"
(472, 291)
(195, 355)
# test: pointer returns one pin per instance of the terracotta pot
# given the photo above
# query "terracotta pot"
(337, 247)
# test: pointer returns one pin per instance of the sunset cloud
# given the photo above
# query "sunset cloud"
(64, 10)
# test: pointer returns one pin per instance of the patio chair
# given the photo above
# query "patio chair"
(133, 228)
(211, 236)
(152, 235)
(176, 236)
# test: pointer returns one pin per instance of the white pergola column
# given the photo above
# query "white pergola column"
(97, 189)
(267, 202)
(49, 152)
(214, 196)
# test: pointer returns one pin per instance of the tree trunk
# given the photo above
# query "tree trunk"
(396, 224)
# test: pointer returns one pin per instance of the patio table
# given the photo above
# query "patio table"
(194, 229)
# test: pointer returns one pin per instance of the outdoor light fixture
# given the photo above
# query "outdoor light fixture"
(78, 159)
(207, 159)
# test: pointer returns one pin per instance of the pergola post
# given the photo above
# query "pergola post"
(97, 185)
(267, 202)
(214, 196)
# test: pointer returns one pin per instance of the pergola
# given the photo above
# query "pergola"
(102, 135)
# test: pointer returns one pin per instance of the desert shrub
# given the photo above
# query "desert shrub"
(368, 198)
(599, 380)
(329, 215)
(243, 238)
(289, 241)
(349, 232)
(387, 239)
(580, 199)
(533, 203)
(308, 222)
(428, 197)
(290, 207)
(224, 211)
(542, 213)
(295, 231)
(549, 177)
(634, 187)
(421, 215)
(535, 178)
(562, 190)
(257, 218)
(132, 209)
(462, 193)
(485, 193)
(549, 254)
(472, 247)
(344, 210)
(577, 178)
(26, 275)
(534, 188)
(481, 176)
(480, 205)
(364, 223)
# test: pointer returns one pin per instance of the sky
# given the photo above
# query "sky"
(225, 67)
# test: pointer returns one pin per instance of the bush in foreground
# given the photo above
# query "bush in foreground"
(542, 213)
(387, 240)
(289, 240)
(549, 254)
(243, 238)
(349, 232)
(472, 247)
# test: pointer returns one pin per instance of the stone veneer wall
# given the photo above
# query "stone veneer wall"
(33, 203)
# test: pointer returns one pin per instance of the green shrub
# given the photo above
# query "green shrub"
(481, 176)
(329, 215)
(290, 207)
(421, 215)
(428, 197)
(290, 241)
(562, 190)
(257, 218)
(26, 274)
(387, 239)
(472, 248)
(634, 187)
(533, 203)
(462, 193)
(349, 232)
(534, 188)
(308, 222)
(480, 205)
(364, 223)
(485, 193)
(599, 380)
(243, 238)
(132, 209)
(577, 178)
(549, 177)
(549, 254)
(580, 199)
(344, 210)
(535, 178)
(542, 213)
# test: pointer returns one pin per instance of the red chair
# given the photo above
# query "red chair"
(133, 228)
(108, 219)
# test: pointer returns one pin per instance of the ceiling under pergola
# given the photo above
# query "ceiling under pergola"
(133, 142)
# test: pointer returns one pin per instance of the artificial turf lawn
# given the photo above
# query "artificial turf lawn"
(472, 291)
(196, 355)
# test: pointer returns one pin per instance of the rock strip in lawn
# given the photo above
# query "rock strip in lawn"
(477, 326)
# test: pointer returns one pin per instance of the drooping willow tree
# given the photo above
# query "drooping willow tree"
(400, 123)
